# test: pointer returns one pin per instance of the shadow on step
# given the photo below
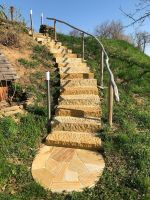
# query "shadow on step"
(67, 82)
(81, 75)
(74, 146)
(78, 113)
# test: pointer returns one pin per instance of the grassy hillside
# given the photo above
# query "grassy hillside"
(126, 147)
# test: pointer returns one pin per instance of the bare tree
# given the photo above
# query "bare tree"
(103, 30)
(112, 30)
(141, 39)
(140, 14)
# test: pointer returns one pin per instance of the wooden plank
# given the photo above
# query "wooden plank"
(8, 74)
(6, 66)
(8, 78)
(4, 62)
(11, 69)
(7, 69)
(1, 77)
(9, 66)
(2, 57)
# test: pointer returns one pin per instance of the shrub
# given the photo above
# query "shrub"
(27, 63)
(9, 38)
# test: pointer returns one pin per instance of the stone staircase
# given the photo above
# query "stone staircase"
(78, 115)
(79, 103)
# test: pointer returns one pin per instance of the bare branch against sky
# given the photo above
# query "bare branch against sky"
(140, 14)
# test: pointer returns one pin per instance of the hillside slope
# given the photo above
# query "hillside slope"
(126, 147)
(127, 151)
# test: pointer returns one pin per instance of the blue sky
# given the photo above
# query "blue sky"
(85, 14)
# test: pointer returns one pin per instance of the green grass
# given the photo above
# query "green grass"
(126, 147)
(28, 64)
(40, 56)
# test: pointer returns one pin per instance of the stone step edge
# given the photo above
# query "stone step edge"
(65, 55)
(76, 120)
(71, 64)
(79, 88)
(74, 76)
(74, 140)
(80, 97)
(78, 112)
(74, 80)
(79, 106)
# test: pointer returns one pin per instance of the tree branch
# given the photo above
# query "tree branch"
(141, 16)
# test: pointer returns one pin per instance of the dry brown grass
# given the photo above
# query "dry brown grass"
(15, 43)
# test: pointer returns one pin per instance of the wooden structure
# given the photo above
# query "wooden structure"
(7, 75)
(45, 29)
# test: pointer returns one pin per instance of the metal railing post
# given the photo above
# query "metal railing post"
(83, 47)
(48, 97)
(102, 69)
(12, 13)
(55, 33)
(41, 18)
(110, 103)
(31, 22)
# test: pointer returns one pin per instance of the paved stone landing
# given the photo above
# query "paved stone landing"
(69, 169)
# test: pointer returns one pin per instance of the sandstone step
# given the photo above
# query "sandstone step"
(79, 100)
(79, 90)
(59, 43)
(79, 83)
(43, 38)
(60, 49)
(40, 39)
(73, 69)
(55, 45)
(76, 75)
(53, 50)
(72, 64)
(67, 60)
(40, 35)
(68, 50)
(65, 55)
(78, 111)
(74, 140)
(76, 124)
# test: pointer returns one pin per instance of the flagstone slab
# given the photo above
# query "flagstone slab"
(69, 169)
